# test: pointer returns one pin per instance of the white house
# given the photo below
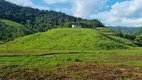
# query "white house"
(76, 26)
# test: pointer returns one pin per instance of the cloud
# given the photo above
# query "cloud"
(80, 8)
(56, 1)
(64, 10)
(86, 8)
(21, 2)
(27, 3)
(126, 13)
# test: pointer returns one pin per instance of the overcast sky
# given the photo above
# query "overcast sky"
(110, 12)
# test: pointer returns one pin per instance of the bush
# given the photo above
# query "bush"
(129, 36)
(138, 40)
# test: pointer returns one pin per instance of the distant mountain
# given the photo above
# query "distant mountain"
(139, 32)
(124, 29)
(40, 20)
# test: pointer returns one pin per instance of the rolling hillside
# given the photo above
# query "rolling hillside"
(9, 30)
(111, 34)
(65, 39)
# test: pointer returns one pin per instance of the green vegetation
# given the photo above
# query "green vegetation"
(36, 20)
(117, 36)
(139, 32)
(11, 23)
(138, 40)
(91, 52)
(65, 39)
(131, 33)
(52, 60)
(85, 24)
(59, 66)
(74, 54)
(10, 30)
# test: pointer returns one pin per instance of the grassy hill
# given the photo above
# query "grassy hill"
(9, 30)
(11, 23)
(65, 39)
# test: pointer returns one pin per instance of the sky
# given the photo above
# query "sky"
(110, 12)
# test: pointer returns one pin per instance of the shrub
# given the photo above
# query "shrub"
(138, 40)
(129, 36)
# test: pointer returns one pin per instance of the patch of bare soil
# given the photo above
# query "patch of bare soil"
(100, 72)
(80, 72)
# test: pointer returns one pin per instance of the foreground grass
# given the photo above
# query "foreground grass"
(129, 57)
(36, 66)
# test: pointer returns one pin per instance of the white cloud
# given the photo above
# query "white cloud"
(27, 3)
(56, 1)
(85, 8)
(21, 2)
(126, 13)
(81, 8)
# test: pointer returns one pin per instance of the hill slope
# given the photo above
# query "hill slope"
(64, 39)
(10, 30)
(112, 34)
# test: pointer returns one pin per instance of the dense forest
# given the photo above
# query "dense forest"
(38, 20)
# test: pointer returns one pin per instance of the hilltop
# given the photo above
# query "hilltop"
(65, 39)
